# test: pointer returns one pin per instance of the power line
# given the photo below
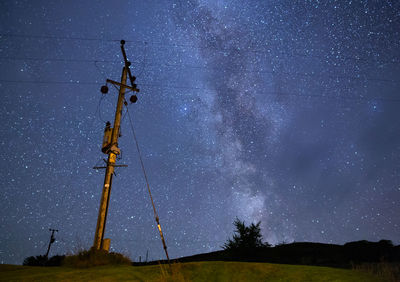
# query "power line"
(292, 74)
(56, 60)
(213, 68)
(209, 47)
(55, 37)
(270, 93)
(48, 82)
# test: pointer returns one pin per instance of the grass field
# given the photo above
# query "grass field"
(198, 271)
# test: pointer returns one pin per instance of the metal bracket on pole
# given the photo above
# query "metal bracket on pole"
(100, 167)
(120, 84)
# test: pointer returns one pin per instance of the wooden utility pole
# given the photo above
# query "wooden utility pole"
(110, 147)
(112, 156)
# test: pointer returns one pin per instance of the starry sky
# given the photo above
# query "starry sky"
(284, 112)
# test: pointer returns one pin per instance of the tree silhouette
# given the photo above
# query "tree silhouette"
(245, 237)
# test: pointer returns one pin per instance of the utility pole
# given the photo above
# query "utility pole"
(110, 147)
(52, 240)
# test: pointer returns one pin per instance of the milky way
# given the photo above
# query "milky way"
(284, 112)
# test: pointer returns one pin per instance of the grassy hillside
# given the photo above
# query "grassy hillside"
(194, 271)
(309, 253)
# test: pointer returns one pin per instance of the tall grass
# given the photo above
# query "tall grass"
(385, 270)
(171, 273)
(90, 258)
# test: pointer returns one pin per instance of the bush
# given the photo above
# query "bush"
(43, 261)
(55, 261)
(92, 258)
(35, 261)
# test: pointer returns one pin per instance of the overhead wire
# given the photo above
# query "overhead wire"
(194, 67)
(55, 37)
(273, 72)
(98, 111)
(269, 93)
(50, 82)
(56, 60)
(201, 47)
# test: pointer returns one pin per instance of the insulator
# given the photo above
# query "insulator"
(133, 99)
(104, 89)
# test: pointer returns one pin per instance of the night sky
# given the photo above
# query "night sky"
(284, 112)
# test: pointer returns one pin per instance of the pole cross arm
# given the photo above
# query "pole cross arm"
(100, 167)
(122, 85)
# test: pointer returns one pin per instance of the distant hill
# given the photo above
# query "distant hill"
(307, 253)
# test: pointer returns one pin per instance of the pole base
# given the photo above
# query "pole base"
(106, 244)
